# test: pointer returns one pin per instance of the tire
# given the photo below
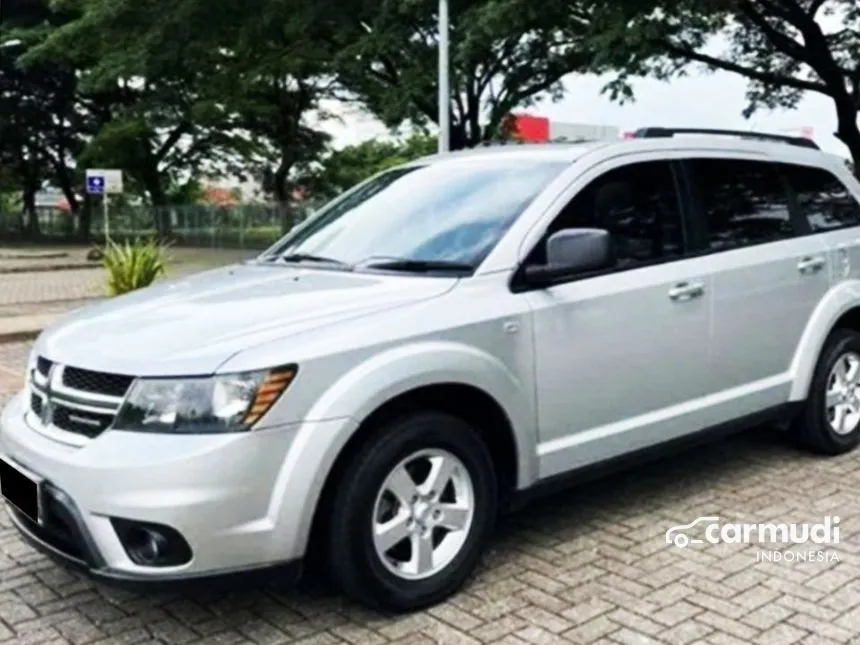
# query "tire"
(814, 428)
(396, 580)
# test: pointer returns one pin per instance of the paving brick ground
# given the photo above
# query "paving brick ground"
(50, 286)
(584, 567)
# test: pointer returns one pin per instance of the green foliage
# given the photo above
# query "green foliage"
(343, 169)
(40, 130)
(175, 92)
(784, 49)
(191, 191)
(165, 91)
(133, 264)
(504, 55)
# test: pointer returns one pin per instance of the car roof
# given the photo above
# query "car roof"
(548, 151)
(570, 152)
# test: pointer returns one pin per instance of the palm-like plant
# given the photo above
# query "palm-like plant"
(133, 265)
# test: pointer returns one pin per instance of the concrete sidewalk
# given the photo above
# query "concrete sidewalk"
(18, 328)
(23, 321)
(11, 381)
(30, 267)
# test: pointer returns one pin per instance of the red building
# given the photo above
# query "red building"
(539, 129)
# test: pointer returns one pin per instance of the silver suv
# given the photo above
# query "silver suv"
(432, 347)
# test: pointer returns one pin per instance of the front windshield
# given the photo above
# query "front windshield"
(453, 211)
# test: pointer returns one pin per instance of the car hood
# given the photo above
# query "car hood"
(192, 325)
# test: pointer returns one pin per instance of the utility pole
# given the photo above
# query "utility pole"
(444, 84)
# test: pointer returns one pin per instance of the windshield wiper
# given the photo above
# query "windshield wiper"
(420, 266)
(309, 257)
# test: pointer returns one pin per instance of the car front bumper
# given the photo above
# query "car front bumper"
(243, 502)
(282, 573)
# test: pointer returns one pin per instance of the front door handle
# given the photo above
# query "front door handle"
(684, 291)
(811, 264)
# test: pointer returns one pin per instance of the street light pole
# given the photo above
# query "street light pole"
(444, 89)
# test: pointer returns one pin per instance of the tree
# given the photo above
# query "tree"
(343, 169)
(784, 47)
(159, 114)
(39, 119)
(504, 54)
(201, 88)
(281, 72)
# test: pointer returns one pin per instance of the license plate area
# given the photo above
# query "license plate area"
(20, 490)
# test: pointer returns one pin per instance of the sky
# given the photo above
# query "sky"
(698, 100)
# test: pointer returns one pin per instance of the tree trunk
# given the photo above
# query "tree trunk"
(65, 182)
(458, 139)
(31, 215)
(159, 201)
(281, 191)
(85, 222)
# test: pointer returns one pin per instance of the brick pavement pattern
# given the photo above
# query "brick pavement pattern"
(24, 291)
(48, 286)
(585, 567)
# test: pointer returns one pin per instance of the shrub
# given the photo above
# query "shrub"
(133, 265)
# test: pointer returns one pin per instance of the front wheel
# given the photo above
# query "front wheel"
(413, 513)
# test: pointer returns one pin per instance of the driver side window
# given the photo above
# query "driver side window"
(638, 204)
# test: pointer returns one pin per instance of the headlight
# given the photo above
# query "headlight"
(224, 403)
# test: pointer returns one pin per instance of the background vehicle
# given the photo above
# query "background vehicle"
(436, 345)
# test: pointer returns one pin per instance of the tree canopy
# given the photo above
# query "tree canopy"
(341, 169)
(504, 55)
(177, 92)
(785, 48)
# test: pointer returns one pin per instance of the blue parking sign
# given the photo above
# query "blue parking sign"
(95, 185)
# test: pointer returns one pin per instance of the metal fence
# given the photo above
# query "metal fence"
(251, 226)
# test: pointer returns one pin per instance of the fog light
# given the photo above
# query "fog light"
(148, 546)
(152, 545)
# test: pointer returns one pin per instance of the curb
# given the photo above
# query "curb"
(33, 256)
(22, 328)
(19, 336)
(43, 268)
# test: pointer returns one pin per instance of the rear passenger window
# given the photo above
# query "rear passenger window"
(637, 204)
(822, 198)
(744, 202)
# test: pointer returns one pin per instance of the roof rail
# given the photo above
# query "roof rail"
(658, 133)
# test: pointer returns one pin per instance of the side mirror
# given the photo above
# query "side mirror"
(573, 250)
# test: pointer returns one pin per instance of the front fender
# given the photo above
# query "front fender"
(401, 369)
(337, 415)
(839, 300)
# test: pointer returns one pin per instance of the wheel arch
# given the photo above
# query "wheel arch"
(447, 377)
(840, 308)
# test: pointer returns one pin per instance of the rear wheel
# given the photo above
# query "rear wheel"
(830, 423)
(412, 513)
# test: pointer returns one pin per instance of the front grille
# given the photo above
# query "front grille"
(36, 404)
(96, 382)
(43, 365)
(76, 400)
(87, 423)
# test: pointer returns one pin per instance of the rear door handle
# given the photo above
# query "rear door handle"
(809, 265)
(684, 291)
